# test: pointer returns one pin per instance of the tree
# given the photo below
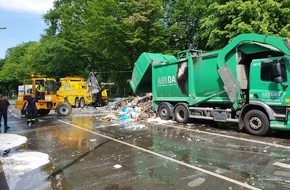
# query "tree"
(17, 64)
(106, 36)
(224, 21)
(64, 40)
(16, 67)
(181, 20)
(55, 58)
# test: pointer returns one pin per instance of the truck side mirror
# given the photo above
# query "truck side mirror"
(277, 71)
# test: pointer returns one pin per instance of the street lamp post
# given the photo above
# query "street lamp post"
(3, 28)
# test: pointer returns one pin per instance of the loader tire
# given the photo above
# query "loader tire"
(64, 109)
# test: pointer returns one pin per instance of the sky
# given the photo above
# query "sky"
(23, 21)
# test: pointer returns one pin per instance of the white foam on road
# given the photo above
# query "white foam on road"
(17, 164)
(9, 141)
(280, 164)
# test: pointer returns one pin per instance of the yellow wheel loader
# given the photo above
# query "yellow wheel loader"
(45, 89)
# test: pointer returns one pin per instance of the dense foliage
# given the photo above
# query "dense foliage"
(108, 36)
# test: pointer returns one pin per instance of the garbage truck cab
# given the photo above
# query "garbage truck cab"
(246, 82)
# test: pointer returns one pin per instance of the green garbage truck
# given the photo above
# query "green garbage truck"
(246, 82)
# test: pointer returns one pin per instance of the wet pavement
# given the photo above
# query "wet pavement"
(85, 152)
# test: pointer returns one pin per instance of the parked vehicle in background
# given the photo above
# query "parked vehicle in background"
(80, 93)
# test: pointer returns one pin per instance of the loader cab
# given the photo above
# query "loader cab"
(43, 87)
(38, 86)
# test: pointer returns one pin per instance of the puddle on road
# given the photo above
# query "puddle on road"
(27, 167)
(212, 153)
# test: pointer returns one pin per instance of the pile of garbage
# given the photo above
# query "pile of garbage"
(133, 109)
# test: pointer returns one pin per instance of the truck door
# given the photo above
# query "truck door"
(266, 85)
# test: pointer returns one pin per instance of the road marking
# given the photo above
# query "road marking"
(280, 164)
(167, 158)
(231, 137)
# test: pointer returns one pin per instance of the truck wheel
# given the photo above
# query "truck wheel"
(164, 111)
(77, 102)
(256, 123)
(64, 109)
(181, 113)
(82, 103)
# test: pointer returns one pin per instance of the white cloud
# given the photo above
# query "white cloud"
(26, 6)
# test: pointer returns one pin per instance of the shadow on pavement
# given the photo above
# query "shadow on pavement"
(3, 182)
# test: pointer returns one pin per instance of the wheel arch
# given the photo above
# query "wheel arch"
(258, 106)
(182, 103)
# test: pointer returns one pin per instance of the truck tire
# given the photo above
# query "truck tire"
(77, 102)
(181, 113)
(256, 123)
(164, 111)
(64, 109)
(43, 112)
(82, 103)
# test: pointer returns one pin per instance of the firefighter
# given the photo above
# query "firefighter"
(31, 110)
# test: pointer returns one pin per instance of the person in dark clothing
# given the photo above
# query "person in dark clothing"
(31, 110)
(4, 106)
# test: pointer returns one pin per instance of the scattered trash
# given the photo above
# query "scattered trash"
(158, 120)
(136, 108)
(109, 117)
(131, 109)
(6, 152)
(197, 182)
(117, 166)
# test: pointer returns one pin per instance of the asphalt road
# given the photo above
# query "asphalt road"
(86, 152)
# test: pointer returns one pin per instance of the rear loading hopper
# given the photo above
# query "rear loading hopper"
(142, 74)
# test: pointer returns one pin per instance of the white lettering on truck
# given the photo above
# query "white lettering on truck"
(166, 81)
(273, 94)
